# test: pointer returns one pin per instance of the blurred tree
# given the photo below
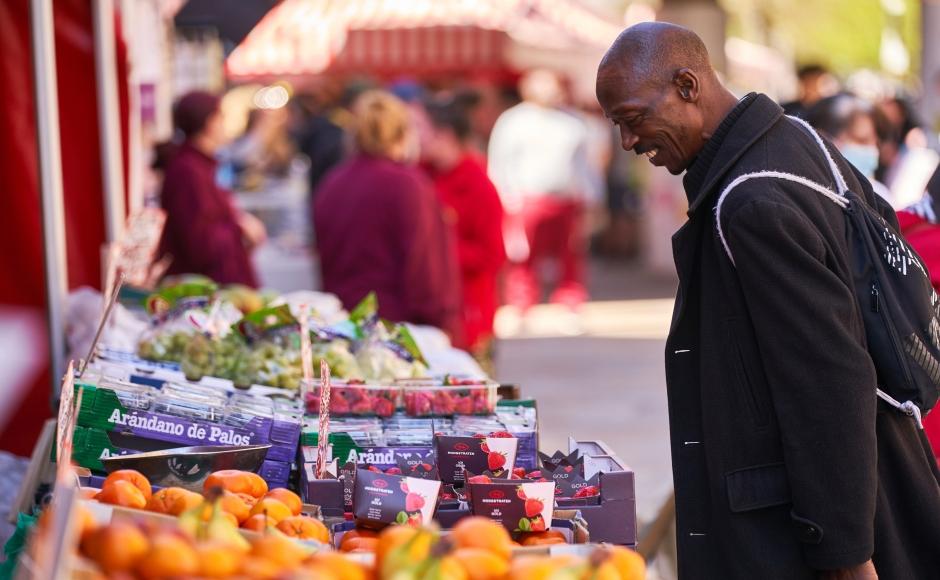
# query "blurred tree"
(842, 34)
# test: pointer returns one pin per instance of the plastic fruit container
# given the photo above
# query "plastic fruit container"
(443, 400)
(357, 400)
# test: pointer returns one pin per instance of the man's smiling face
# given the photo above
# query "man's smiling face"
(656, 117)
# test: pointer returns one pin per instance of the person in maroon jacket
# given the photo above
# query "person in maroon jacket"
(204, 233)
(474, 210)
(379, 225)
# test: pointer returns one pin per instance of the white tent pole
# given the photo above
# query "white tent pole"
(50, 178)
(109, 125)
(135, 159)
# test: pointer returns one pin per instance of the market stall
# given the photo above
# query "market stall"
(259, 435)
(389, 40)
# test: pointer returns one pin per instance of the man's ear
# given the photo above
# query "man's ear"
(687, 83)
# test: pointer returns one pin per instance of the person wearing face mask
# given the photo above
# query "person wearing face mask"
(849, 122)
(380, 227)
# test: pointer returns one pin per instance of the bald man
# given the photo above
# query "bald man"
(785, 463)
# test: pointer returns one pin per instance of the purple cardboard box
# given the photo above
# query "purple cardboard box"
(614, 519)
(274, 471)
(326, 493)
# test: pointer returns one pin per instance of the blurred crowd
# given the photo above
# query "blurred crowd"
(445, 202)
(451, 201)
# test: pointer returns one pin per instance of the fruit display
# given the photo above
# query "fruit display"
(164, 346)
(240, 498)
(183, 414)
(449, 397)
(226, 358)
(276, 361)
(224, 334)
(350, 399)
(479, 549)
(476, 549)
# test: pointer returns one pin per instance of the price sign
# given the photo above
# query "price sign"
(323, 439)
(306, 352)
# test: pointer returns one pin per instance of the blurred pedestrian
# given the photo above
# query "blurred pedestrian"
(380, 227)
(906, 161)
(205, 233)
(538, 161)
(815, 82)
(263, 150)
(786, 462)
(319, 132)
(474, 210)
(849, 122)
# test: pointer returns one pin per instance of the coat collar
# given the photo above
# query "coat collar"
(754, 121)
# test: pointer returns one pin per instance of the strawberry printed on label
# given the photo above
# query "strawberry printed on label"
(496, 461)
(537, 524)
(533, 507)
(413, 502)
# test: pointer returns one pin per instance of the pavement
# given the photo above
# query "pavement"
(599, 374)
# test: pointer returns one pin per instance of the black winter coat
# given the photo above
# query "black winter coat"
(784, 461)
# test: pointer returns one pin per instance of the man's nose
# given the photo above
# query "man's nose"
(627, 139)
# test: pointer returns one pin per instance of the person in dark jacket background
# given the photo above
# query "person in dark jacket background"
(786, 465)
(204, 233)
(380, 227)
(474, 211)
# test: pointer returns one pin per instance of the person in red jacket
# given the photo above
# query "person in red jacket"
(474, 211)
(921, 227)
(380, 227)
(204, 233)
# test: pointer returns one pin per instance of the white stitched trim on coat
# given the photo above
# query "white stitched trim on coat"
(833, 197)
(836, 173)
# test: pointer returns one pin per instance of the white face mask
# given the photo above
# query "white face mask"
(863, 157)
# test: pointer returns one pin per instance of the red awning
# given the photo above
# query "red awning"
(306, 37)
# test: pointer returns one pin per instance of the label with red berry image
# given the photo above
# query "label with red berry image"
(569, 484)
(458, 455)
(519, 507)
(381, 499)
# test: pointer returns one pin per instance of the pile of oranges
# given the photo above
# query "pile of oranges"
(475, 549)
(130, 549)
(479, 549)
(245, 500)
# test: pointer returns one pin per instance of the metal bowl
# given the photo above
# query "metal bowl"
(188, 467)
